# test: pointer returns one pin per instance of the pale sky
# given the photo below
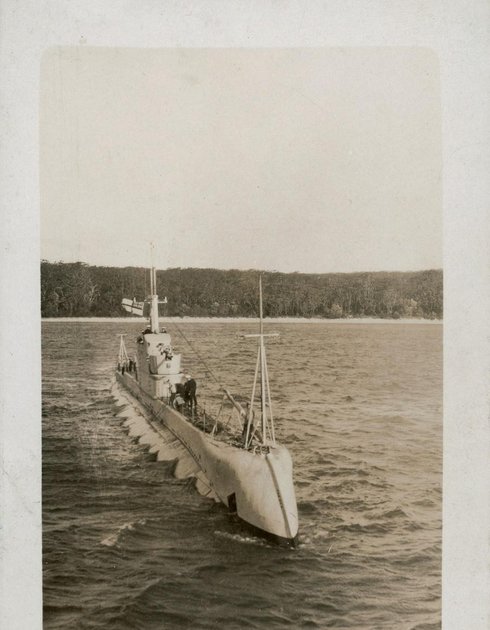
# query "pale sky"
(310, 160)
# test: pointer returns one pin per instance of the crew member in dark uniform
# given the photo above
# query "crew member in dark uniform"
(190, 387)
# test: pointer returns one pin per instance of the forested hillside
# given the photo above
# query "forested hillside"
(81, 290)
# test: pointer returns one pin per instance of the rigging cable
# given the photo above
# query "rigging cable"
(208, 369)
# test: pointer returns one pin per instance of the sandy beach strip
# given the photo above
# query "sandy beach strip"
(248, 320)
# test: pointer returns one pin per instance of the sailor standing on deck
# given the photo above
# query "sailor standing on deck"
(190, 387)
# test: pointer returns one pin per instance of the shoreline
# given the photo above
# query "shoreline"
(248, 320)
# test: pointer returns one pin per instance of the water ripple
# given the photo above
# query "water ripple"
(126, 544)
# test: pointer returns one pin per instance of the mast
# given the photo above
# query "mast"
(267, 421)
(262, 365)
(138, 308)
(122, 357)
(154, 296)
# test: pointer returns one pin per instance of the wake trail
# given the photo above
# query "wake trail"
(159, 440)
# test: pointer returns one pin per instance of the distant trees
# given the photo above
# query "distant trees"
(78, 289)
(67, 289)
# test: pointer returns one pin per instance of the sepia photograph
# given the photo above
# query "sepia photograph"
(260, 437)
(244, 352)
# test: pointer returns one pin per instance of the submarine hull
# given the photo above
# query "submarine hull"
(256, 485)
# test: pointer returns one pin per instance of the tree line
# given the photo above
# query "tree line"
(81, 290)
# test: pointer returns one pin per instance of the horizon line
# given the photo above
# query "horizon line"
(81, 262)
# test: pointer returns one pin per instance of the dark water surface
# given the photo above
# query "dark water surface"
(127, 545)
